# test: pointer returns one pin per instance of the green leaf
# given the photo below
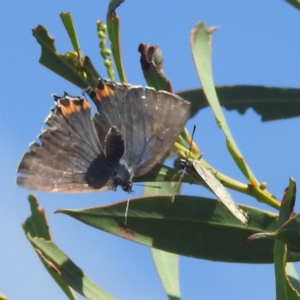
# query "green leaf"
(37, 226)
(295, 3)
(238, 159)
(201, 50)
(71, 274)
(289, 224)
(293, 285)
(285, 276)
(113, 29)
(166, 263)
(285, 102)
(191, 226)
(70, 28)
(284, 289)
(287, 203)
(151, 64)
(91, 72)
(167, 267)
(60, 267)
(289, 233)
(56, 62)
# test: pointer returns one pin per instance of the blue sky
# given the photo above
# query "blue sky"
(257, 44)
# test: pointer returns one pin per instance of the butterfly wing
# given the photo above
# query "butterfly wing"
(149, 121)
(70, 156)
(165, 117)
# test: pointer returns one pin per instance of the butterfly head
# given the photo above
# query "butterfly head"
(123, 177)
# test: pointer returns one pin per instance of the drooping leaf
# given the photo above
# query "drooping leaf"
(285, 102)
(201, 50)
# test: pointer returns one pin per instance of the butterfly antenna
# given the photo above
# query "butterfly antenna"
(184, 169)
(190, 149)
(148, 185)
(127, 208)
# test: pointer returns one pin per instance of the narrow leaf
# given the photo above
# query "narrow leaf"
(113, 29)
(190, 226)
(70, 28)
(37, 226)
(284, 288)
(285, 102)
(91, 72)
(71, 274)
(166, 263)
(293, 281)
(201, 49)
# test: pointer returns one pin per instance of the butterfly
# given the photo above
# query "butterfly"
(131, 132)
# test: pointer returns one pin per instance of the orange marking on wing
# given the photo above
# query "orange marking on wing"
(86, 105)
(104, 91)
(72, 107)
